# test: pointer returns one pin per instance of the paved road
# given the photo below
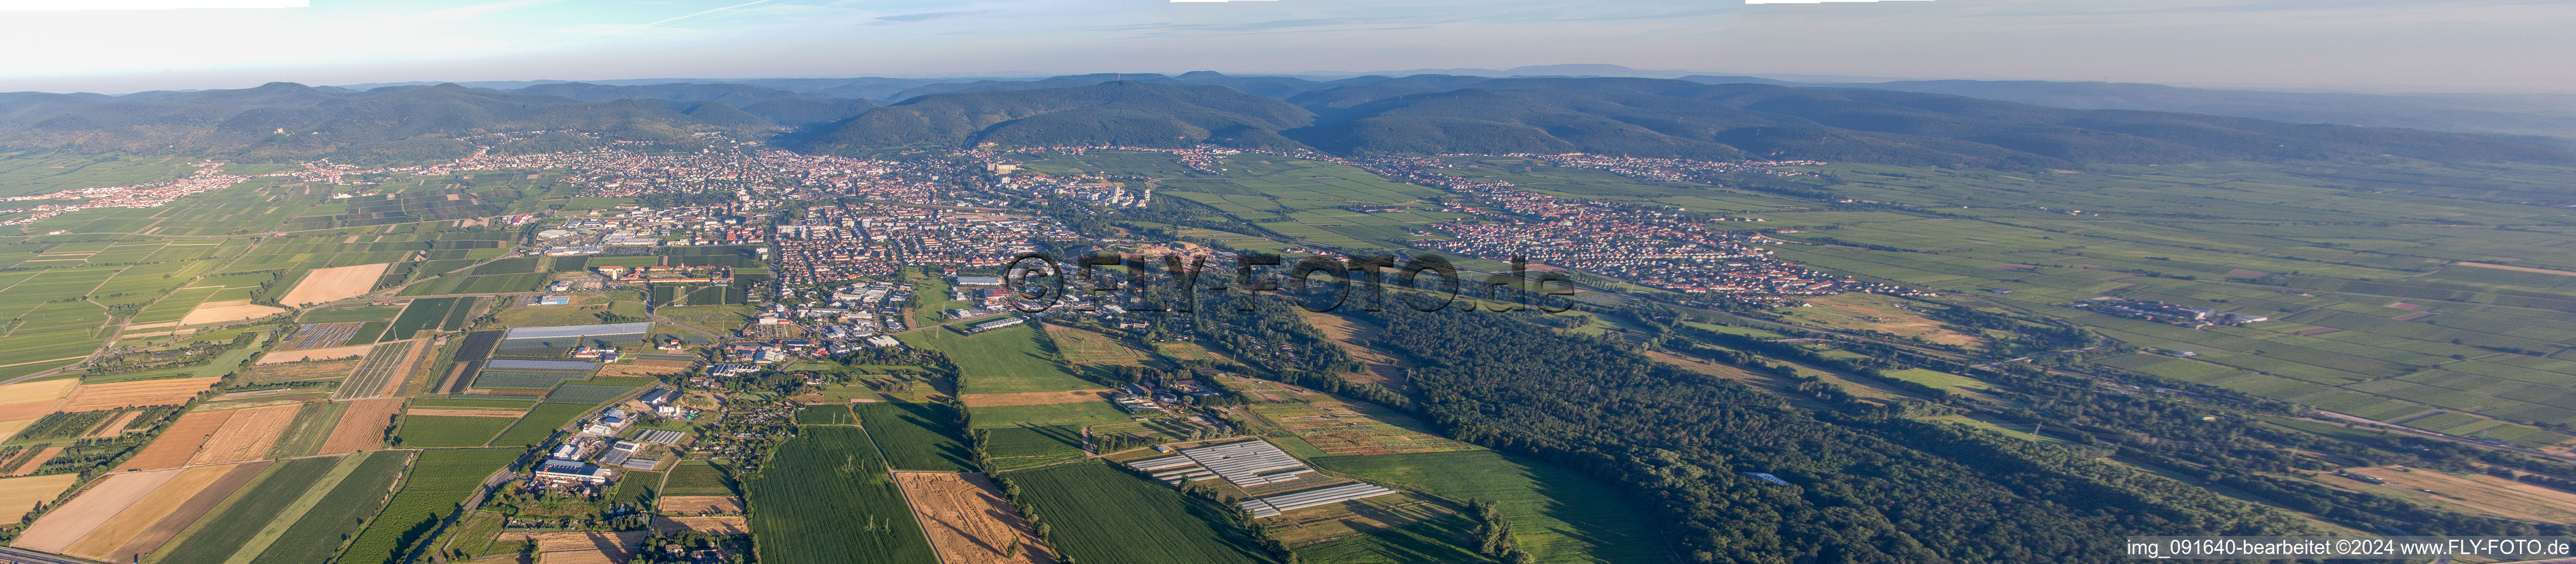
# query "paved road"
(23, 556)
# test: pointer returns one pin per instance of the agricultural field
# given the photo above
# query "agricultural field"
(1439, 539)
(1026, 447)
(132, 514)
(699, 478)
(179, 442)
(1080, 347)
(362, 426)
(227, 529)
(314, 526)
(428, 313)
(114, 395)
(2389, 323)
(22, 494)
(916, 435)
(1001, 361)
(443, 431)
(333, 284)
(826, 414)
(2468, 493)
(26, 174)
(970, 522)
(1336, 427)
(541, 423)
(247, 435)
(1558, 515)
(826, 498)
(1104, 514)
(436, 483)
(383, 370)
(274, 373)
(587, 394)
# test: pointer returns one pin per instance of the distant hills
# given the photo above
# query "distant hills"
(1109, 113)
(1946, 123)
(1633, 116)
(282, 121)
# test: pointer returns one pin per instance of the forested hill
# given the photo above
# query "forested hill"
(282, 121)
(1434, 114)
(1864, 487)
(1109, 113)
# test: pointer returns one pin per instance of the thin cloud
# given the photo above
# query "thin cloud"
(925, 16)
(723, 9)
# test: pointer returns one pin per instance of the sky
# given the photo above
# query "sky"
(2349, 45)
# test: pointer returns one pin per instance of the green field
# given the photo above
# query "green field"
(1001, 361)
(222, 534)
(826, 414)
(698, 477)
(1433, 541)
(1557, 514)
(587, 395)
(1083, 413)
(540, 423)
(448, 431)
(437, 482)
(425, 313)
(1104, 514)
(826, 498)
(916, 435)
(1025, 447)
(319, 532)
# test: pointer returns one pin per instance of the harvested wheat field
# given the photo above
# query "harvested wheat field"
(113, 395)
(333, 284)
(363, 426)
(30, 465)
(179, 442)
(20, 495)
(54, 389)
(27, 410)
(700, 504)
(11, 428)
(247, 435)
(281, 357)
(227, 310)
(1033, 398)
(719, 526)
(150, 521)
(968, 521)
(467, 412)
(65, 525)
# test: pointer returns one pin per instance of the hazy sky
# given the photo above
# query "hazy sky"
(2406, 45)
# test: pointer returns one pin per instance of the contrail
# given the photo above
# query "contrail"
(673, 19)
